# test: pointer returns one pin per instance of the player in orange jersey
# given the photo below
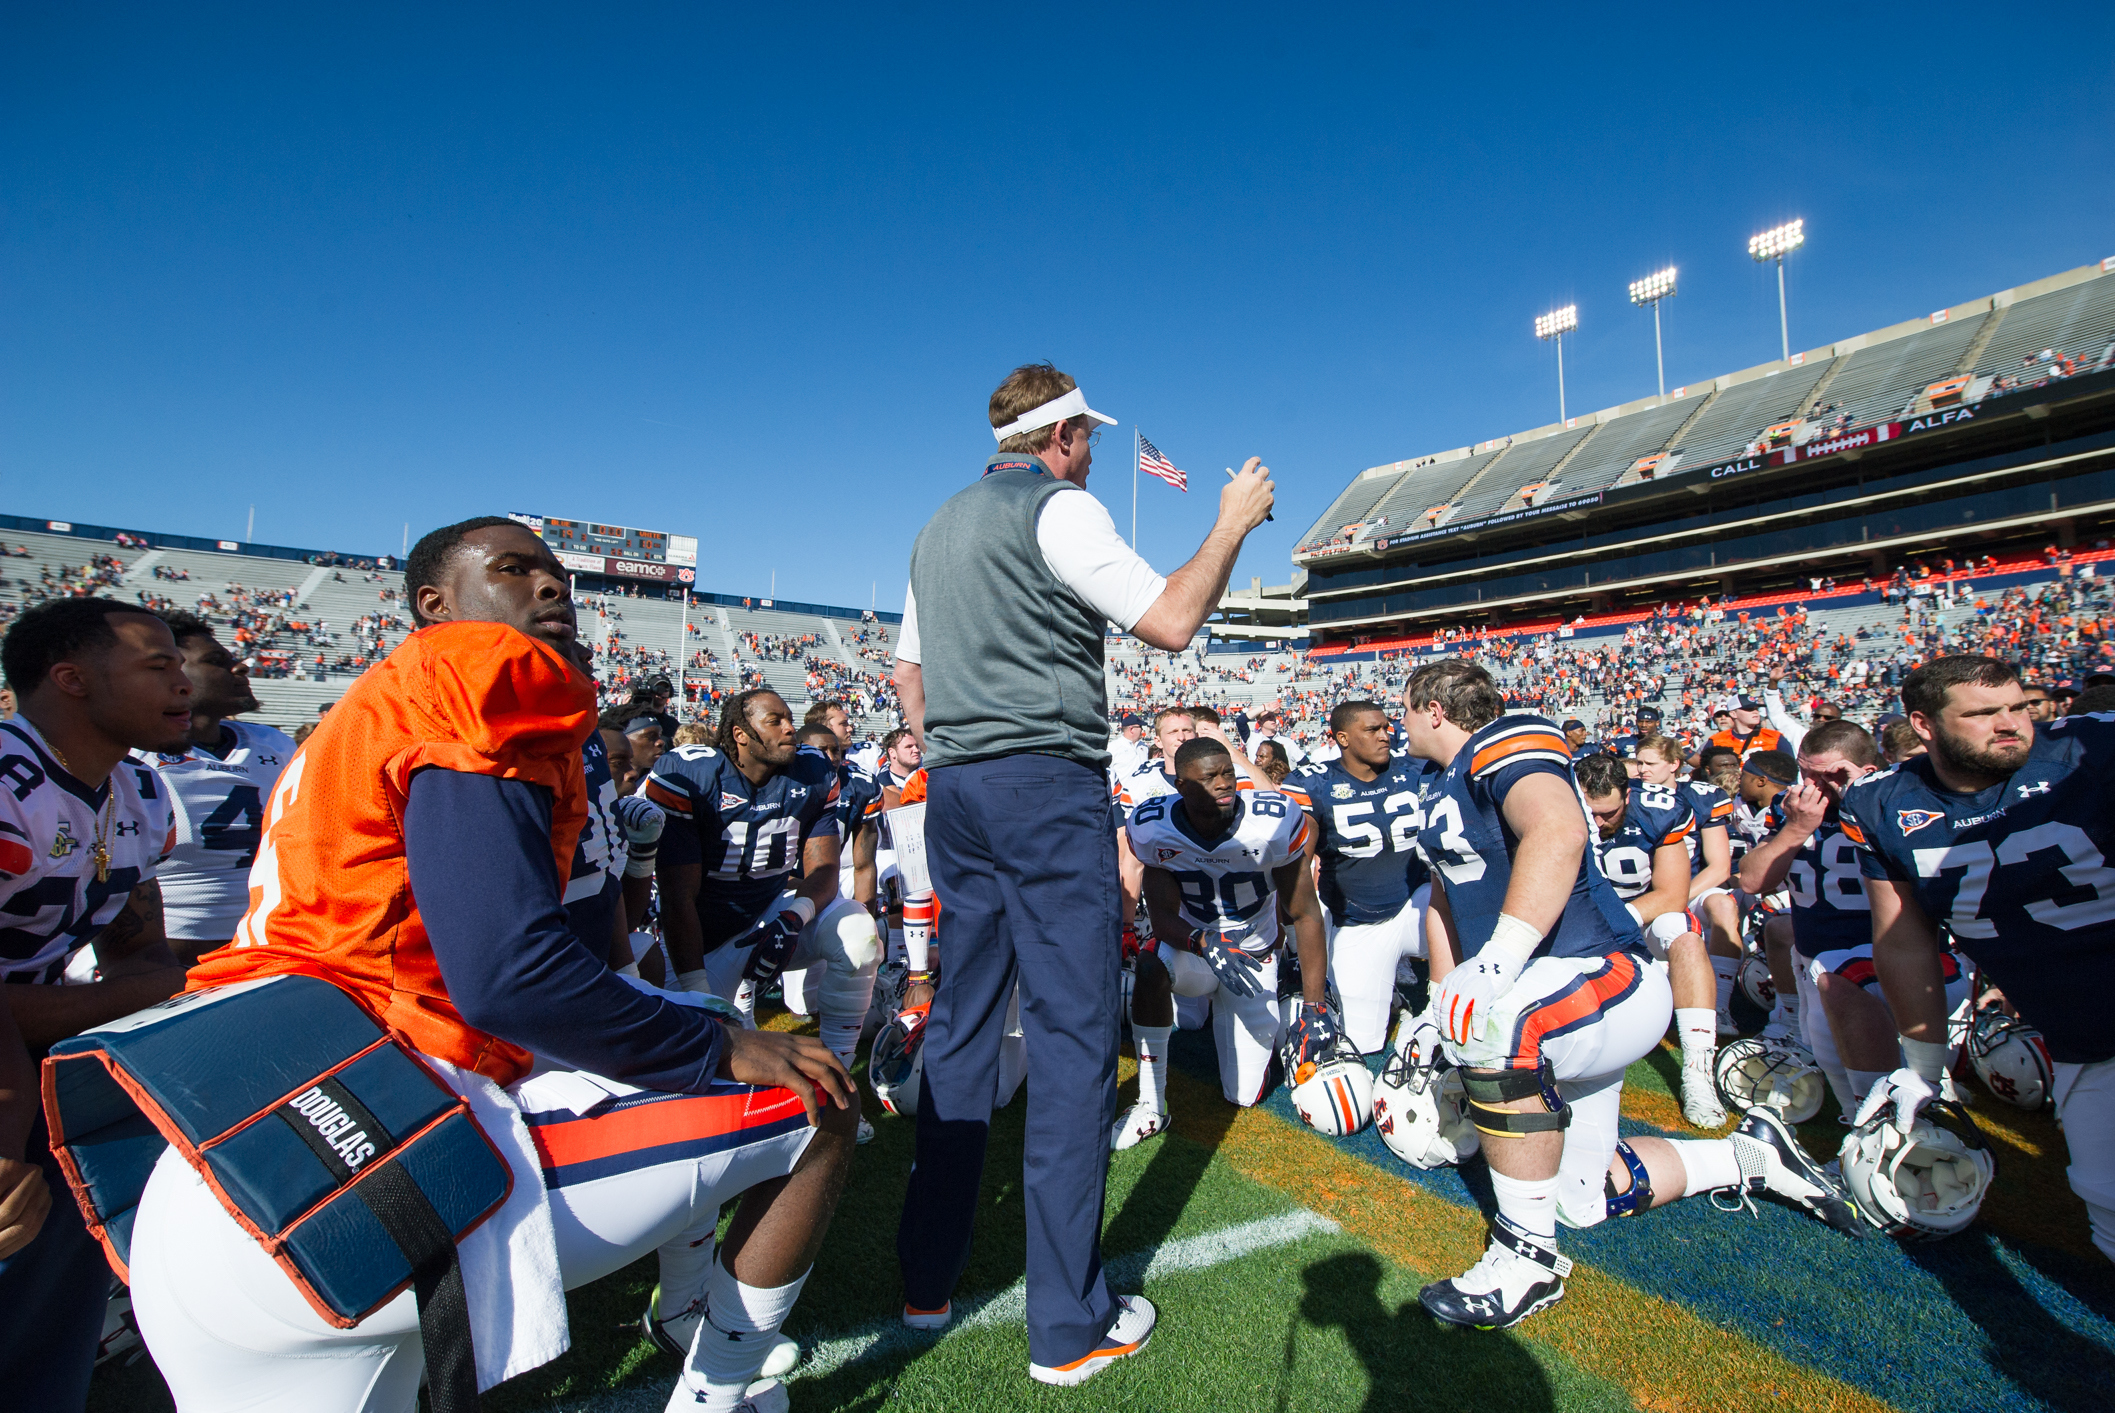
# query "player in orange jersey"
(415, 855)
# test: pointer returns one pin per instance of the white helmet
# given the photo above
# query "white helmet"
(1927, 1183)
(1418, 1103)
(1756, 981)
(1335, 1098)
(1756, 1071)
(896, 1068)
(2011, 1059)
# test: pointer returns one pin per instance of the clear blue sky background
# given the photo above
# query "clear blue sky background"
(751, 276)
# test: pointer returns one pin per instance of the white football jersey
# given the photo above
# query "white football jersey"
(1149, 781)
(219, 805)
(1225, 882)
(50, 899)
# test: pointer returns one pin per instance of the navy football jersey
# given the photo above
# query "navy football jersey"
(1656, 816)
(1625, 746)
(1830, 911)
(597, 877)
(1469, 844)
(1714, 810)
(858, 796)
(2018, 872)
(747, 839)
(1368, 840)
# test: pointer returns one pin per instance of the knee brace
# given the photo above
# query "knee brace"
(1487, 1088)
(1638, 1197)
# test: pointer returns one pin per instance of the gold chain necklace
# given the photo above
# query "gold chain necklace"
(99, 850)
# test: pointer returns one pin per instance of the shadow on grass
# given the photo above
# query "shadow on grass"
(1411, 1360)
(2030, 1344)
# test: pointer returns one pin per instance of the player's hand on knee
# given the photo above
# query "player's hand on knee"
(25, 1200)
(1470, 993)
(1239, 972)
(775, 941)
(800, 1063)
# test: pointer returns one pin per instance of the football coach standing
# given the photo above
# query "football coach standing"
(999, 663)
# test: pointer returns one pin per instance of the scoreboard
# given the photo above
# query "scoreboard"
(617, 550)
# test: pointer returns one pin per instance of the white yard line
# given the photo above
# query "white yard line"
(1009, 1306)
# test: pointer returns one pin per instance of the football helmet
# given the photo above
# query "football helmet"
(1755, 980)
(1418, 1102)
(896, 1068)
(1925, 1183)
(1335, 1097)
(2011, 1059)
(1756, 1071)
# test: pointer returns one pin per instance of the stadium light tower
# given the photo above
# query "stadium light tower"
(1555, 325)
(1651, 290)
(1775, 244)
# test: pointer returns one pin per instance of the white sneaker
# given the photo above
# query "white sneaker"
(1700, 1096)
(1131, 1332)
(916, 1319)
(1727, 1026)
(1517, 1275)
(1772, 1161)
(865, 1131)
(1138, 1124)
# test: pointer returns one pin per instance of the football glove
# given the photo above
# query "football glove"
(642, 822)
(775, 941)
(1130, 944)
(1907, 1090)
(1239, 972)
(1466, 997)
(1310, 1039)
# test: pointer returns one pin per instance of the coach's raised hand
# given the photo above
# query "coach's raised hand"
(1246, 500)
(1193, 591)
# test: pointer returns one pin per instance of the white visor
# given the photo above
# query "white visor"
(1072, 404)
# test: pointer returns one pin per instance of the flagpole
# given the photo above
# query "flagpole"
(1135, 454)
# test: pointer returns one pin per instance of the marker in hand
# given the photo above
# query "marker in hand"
(1230, 474)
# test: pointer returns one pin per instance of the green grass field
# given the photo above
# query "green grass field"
(1286, 1268)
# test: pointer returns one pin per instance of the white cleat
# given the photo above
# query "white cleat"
(1137, 1125)
(865, 1131)
(1518, 1275)
(1700, 1097)
(673, 1333)
(916, 1319)
(763, 1396)
(1727, 1026)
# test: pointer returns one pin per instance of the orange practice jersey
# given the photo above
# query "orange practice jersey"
(1766, 738)
(330, 894)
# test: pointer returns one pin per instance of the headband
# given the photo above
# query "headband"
(1072, 404)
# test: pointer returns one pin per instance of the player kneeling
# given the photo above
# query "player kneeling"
(1552, 999)
(1218, 861)
(414, 859)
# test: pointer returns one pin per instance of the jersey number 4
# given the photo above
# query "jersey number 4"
(235, 825)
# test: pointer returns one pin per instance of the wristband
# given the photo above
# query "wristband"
(1514, 938)
(802, 908)
(1928, 1058)
(1635, 916)
(918, 978)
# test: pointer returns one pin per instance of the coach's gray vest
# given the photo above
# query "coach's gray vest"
(1013, 660)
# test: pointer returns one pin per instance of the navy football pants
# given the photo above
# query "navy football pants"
(1023, 858)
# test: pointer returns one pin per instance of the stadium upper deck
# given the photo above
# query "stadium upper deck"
(1987, 426)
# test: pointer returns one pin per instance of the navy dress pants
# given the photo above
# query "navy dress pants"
(1023, 858)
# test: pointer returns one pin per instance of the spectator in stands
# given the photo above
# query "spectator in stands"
(2040, 705)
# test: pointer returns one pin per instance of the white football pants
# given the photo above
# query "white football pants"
(1245, 1029)
(831, 971)
(229, 1331)
(1362, 962)
(2085, 1106)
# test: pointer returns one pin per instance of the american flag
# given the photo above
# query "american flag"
(1153, 463)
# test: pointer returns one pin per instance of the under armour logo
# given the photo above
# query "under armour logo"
(126, 827)
(1480, 1304)
(2040, 787)
(268, 760)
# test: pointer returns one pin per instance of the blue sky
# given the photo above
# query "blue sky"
(751, 276)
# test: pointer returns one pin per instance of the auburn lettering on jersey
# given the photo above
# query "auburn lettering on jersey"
(51, 901)
(747, 839)
(1225, 881)
(1367, 839)
(218, 800)
(2018, 872)
(1465, 838)
(330, 895)
(1656, 815)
